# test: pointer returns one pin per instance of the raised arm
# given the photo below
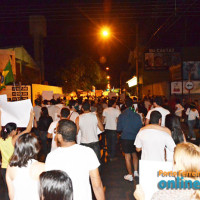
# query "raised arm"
(27, 130)
(30, 123)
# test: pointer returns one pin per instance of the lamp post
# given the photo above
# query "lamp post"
(105, 32)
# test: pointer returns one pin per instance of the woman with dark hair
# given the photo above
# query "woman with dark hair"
(55, 185)
(172, 122)
(192, 115)
(23, 172)
(7, 141)
(43, 126)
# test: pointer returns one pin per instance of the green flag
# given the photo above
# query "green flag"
(7, 76)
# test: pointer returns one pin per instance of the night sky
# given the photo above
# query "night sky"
(72, 29)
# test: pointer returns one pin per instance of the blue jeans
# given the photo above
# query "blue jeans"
(191, 124)
(111, 137)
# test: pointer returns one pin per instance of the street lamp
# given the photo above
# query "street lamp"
(105, 32)
(107, 68)
(108, 77)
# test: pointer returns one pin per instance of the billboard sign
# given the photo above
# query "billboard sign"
(192, 67)
(161, 59)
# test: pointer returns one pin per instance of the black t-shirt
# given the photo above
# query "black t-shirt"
(44, 123)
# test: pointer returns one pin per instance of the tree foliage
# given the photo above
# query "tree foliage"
(82, 74)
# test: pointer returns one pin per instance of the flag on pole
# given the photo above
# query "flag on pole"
(7, 76)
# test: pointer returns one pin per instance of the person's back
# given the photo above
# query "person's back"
(73, 116)
(44, 123)
(53, 111)
(88, 127)
(76, 161)
(153, 139)
(6, 149)
(37, 111)
(79, 162)
(130, 123)
(25, 186)
(153, 143)
(23, 172)
(111, 114)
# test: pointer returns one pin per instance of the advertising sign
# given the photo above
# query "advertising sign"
(193, 86)
(161, 59)
(14, 94)
(192, 67)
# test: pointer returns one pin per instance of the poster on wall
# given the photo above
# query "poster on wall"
(176, 87)
(192, 67)
(161, 59)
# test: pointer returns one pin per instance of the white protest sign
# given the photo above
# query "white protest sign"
(57, 96)
(3, 97)
(149, 175)
(17, 112)
(47, 95)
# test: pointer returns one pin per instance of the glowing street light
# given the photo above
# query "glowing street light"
(108, 77)
(107, 68)
(105, 32)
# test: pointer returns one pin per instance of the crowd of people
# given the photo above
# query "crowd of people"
(60, 157)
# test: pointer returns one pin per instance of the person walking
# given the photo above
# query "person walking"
(192, 114)
(129, 123)
(111, 115)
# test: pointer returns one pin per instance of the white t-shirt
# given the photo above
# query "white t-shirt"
(192, 114)
(88, 127)
(111, 114)
(52, 130)
(77, 161)
(73, 115)
(153, 143)
(37, 111)
(179, 109)
(54, 111)
(162, 111)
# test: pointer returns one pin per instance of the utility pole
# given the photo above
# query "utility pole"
(136, 59)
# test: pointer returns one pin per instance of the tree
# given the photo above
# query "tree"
(82, 74)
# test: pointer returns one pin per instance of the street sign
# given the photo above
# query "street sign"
(189, 85)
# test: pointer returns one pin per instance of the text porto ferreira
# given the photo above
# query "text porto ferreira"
(182, 180)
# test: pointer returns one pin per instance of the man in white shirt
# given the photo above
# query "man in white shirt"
(53, 110)
(157, 107)
(79, 162)
(153, 139)
(64, 114)
(110, 115)
(88, 123)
